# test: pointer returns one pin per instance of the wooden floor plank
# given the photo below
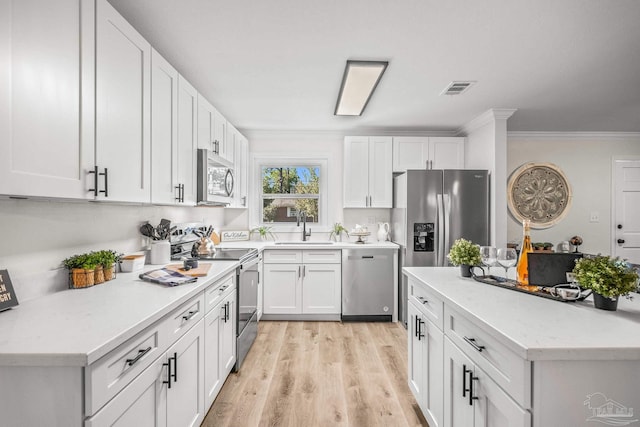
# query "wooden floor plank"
(320, 374)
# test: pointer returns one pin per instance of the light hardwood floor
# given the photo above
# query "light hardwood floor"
(320, 374)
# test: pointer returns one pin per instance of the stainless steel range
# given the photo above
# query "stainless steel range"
(247, 277)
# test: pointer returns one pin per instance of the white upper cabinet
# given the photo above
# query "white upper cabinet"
(165, 188)
(420, 152)
(241, 162)
(368, 177)
(46, 106)
(205, 123)
(212, 130)
(446, 152)
(220, 133)
(123, 71)
(187, 140)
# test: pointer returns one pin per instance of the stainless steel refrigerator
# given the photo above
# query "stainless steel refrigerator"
(431, 209)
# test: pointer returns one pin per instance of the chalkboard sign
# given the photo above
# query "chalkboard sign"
(8, 297)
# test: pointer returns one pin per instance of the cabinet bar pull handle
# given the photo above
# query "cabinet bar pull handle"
(106, 182)
(472, 342)
(471, 396)
(224, 316)
(304, 270)
(367, 256)
(168, 365)
(190, 315)
(95, 180)
(464, 380)
(228, 310)
(177, 187)
(141, 353)
(175, 367)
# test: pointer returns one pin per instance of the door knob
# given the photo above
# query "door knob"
(619, 226)
(620, 241)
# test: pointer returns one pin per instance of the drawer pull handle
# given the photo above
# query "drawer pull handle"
(422, 300)
(141, 353)
(474, 344)
(190, 315)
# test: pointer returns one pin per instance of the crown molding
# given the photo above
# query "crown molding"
(573, 136)
(484, 119)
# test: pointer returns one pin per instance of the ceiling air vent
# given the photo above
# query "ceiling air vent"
(456, 88)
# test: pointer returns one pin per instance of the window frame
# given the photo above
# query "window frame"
(260, 161)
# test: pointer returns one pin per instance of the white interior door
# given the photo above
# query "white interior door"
(626, 224)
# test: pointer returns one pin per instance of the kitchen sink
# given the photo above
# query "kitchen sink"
(305, 243)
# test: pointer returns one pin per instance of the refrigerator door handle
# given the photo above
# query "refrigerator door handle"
(446, 207)
(440, 233)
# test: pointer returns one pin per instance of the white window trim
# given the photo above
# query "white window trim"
(259, 160)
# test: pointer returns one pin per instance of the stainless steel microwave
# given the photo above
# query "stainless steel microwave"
(215, 179)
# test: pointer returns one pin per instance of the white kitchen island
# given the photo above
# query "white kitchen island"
(480, 355)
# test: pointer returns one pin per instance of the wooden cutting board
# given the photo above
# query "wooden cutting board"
(202, 270)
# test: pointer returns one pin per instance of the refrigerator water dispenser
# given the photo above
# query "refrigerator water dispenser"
(423, 236)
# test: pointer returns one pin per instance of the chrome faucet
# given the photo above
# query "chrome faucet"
(305, 233)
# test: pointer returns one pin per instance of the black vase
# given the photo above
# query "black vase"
(465, 270)
(605, 303)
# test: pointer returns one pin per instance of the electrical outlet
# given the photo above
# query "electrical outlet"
(594, 217)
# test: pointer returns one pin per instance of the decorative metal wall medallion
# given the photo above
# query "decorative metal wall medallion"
(539, 192)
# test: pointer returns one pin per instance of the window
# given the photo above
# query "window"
(288, 190)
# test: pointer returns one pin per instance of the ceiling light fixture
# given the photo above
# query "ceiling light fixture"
(359, 81)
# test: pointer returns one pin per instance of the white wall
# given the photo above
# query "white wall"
(37, 235)
(486, 148)
(586, 160)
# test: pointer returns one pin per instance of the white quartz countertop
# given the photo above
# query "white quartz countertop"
(76, 327)
(539, 328)
(313, 244)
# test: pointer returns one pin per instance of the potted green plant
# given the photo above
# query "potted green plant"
(82, 269)
(608, 278)
(336, 232)
(108, 259)
(263, 231)
(466, 254)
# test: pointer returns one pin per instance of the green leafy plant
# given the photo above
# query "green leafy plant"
(90, 260)
(337, 230)
(107, 257)
(263, 231)
(86, 261)
(609, 277)
(464, 252)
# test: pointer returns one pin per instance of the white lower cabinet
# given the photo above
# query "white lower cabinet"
(425, 364)
(168, 393)
(308, 287)
(220, 355)
(141, 403)
(185, 375)
(472, 398)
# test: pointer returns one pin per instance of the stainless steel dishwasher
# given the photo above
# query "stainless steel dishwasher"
(367, 284)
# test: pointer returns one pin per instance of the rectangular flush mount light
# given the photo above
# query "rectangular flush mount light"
(358, 83)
